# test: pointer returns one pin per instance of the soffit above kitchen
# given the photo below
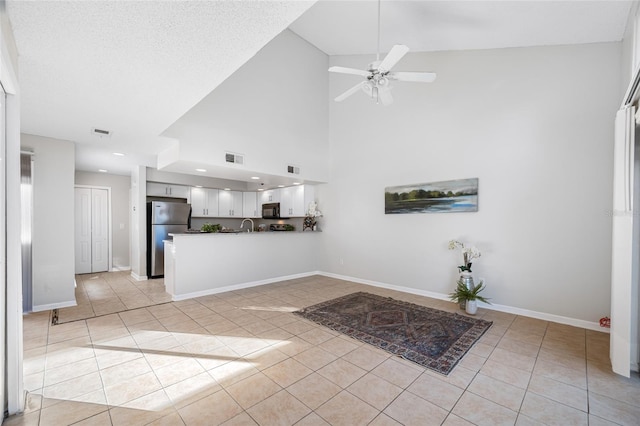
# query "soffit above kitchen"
(135, 67)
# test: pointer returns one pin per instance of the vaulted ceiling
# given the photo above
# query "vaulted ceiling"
(135, 67)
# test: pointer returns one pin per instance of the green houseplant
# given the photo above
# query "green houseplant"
(207, 227)
(469, 296)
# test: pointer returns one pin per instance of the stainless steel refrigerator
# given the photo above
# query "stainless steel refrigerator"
(163, 218)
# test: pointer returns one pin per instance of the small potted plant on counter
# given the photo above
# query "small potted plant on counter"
(208, 227)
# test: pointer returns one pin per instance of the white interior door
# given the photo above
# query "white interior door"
(91, 230)
(83, 230)
(99, 230)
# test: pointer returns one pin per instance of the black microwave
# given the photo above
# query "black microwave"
(271, 211)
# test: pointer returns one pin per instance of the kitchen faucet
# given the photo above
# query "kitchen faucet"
(242, 224)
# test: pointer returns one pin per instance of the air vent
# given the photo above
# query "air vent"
(293, 169)
(234, 158)
(101, 132)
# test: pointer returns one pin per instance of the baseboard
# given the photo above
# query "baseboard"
(40, 308)
(500, 308)
(120, 268)
(138, 277)
(179, 297)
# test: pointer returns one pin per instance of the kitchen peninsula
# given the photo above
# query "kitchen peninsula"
(202, 264)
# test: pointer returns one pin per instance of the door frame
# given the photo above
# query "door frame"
(624, 340)
(13, 339)
(109, 220)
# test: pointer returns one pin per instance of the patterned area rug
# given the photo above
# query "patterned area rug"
(432, 338)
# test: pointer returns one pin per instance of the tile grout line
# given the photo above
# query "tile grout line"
(526, 390)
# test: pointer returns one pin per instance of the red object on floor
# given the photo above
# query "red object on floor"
(605, 322)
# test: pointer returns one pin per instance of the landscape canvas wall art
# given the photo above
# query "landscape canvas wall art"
(436, 197)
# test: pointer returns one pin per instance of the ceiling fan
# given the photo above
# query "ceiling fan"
(378, 74)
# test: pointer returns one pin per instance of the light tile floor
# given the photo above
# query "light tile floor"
(110, 292)
(242, 358)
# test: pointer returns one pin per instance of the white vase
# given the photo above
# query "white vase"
(471, 307)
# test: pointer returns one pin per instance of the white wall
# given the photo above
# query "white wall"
(120, 229)
(139, 223)
(53, 201)
(629, 45)
(535, 125)
(273, 110)
(203, 264)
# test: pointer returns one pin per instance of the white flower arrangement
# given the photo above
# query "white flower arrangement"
(468, 254)
(313, 211)
(310, 219)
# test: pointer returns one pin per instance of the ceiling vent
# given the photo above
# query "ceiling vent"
(293, 169)
(230, 157)
(100, 132)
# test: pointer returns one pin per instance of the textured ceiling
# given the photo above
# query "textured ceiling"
(135, 67)
(131, 67)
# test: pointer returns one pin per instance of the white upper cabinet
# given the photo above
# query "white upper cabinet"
(250, 205)
(208, 202)
(287, 196)
(294, 200)
(269, 196)
(155, 189)
(204, 202)
(230, 204)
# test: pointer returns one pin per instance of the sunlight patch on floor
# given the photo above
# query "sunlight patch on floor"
(203, 363)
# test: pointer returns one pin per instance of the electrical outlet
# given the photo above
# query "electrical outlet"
(341, 261)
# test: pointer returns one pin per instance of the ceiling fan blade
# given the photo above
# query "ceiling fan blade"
(392, 58)
(420, 77)
(350, 92)
(384, 96)
(353, 71)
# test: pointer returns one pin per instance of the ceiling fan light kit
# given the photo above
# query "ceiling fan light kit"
(378, 74)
